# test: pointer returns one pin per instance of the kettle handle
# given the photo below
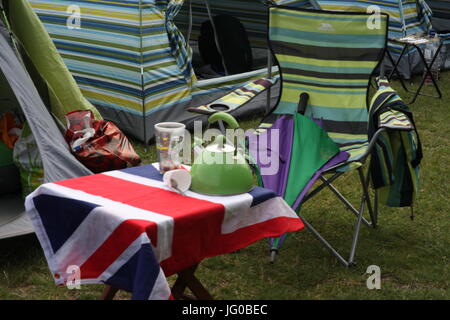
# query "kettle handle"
(223, 116)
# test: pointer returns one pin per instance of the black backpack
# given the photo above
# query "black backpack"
(233, 41)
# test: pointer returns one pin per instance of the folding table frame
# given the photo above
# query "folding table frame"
(186, 279)
(406, 45)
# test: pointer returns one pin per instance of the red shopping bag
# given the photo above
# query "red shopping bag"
(98, 144)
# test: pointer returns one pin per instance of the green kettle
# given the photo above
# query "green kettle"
(218, 168)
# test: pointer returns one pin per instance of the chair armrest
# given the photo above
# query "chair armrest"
(236, 98)
(372, 143)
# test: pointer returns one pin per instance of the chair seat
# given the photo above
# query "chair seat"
(390, 119)
(355, 151)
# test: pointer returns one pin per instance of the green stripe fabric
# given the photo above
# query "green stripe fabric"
(406, 17)
(330, 56)
(251, 13)
(114, 42)
(64, 94)
(129, 58)
(395, 160)
(229, 83)
(396, 120)
(236, 98)
(390, 118)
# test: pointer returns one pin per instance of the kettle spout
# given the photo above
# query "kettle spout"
(197, 147)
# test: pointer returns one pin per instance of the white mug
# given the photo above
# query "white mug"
(178, 180)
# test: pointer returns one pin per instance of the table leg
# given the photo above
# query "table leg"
(109, 292)
(187, 279)
(395, 66)
(427, 72)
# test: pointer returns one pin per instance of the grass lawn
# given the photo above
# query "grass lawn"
(413, 255)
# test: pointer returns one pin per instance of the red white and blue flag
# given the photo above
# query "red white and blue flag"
(126, 228)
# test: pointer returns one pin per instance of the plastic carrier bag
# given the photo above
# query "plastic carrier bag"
(28, 159)
(98, 144)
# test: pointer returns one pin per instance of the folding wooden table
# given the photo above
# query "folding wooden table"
(117, 225)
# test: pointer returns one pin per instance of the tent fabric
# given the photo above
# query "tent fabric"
(183, 53)
(65, 95)
(251, 13)
(440, 9)
(120, 55)
(58, 162)
(131, 61)
(440, 21)
(406, 17)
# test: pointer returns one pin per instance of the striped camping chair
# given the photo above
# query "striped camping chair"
(327, 58)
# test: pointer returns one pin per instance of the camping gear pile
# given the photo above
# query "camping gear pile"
(325, 124)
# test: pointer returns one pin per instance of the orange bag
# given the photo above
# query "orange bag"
(7, 122)
(98, 144)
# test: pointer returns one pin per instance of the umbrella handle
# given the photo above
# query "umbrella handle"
(303, 103)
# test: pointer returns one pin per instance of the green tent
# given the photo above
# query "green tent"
(36, 87)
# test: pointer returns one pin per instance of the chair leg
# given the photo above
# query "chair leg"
(356, 232)
(365, 199)
(375, 206)
(365, 185)
(345, 201)
(321, 239)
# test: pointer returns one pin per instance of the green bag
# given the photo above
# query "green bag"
(6, 155)
(9, 175)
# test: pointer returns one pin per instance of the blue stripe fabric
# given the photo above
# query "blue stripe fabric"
(116, 41)
(61, 217)
(145, 268)
(260, 195)
(147, 171)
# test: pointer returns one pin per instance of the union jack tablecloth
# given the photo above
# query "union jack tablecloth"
(127, 229)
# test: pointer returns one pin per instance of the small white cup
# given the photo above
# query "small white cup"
(181, 177)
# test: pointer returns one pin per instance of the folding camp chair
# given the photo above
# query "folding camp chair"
(326, 60)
